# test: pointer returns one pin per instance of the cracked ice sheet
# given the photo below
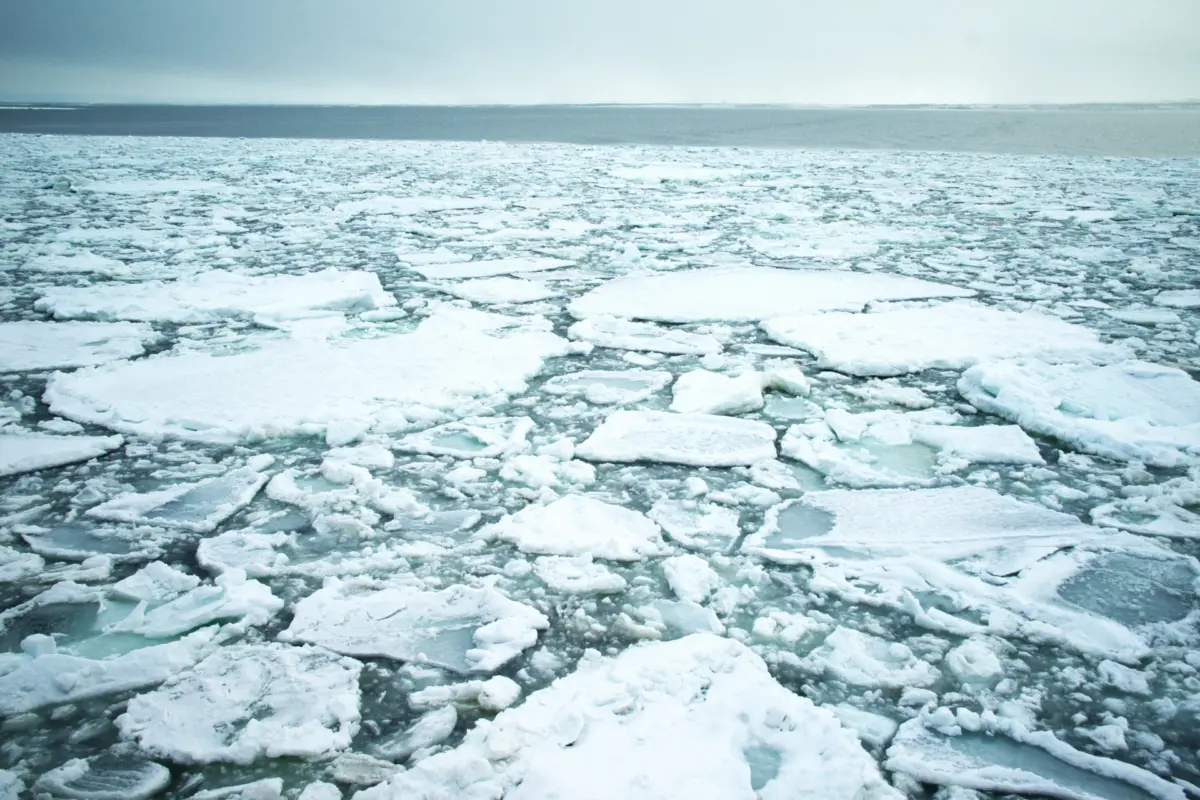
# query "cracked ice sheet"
(217, 295)
(196, 507)
(749, 294)
(249, 701)
(461, 628)
(26, 346)
(946, 336)
(1132, 411)
(452, 362)
(696, 717)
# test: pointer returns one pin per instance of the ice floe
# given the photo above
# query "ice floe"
(704, 392)
(864, 660)
(946, 336)
(249, 701)
(578, 575)
(218, 294)
(749, 294)
(487, 268)
(699, 716)
(495, 291)
(701, 440)
(1178, 298)
(105, 777)
(580, 525)
(607, 331)
(1002, 756)
(26, 346)
(608, 387)
(1131, 411)
(461, 628)
(197, 507)
(480, 437)
(28, 452)
(289, 387)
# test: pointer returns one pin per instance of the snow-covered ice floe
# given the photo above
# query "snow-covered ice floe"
(701, 440)
(578, 525)
(218, 294)
(105, 777)
(947, 336)
(486, 268)
(496, 291)
(28, 452)
(480, 437)
(461, 628)
(696, 717)
(608, 387)
(248, 701)
(1130, 411)
(26, 346)
(450, 362)
(749, 294)
(198, 507)
(607, 331)
(1000, 755)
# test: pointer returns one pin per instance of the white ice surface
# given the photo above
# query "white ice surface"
(494, 291)
(578, 575)
(28, 452)
(451, 362)
(155, 583)
(26, 346)
(197, 507)
(868, 661)
(945, 336)
(461, 628)
(246, 702)
(218, 294)
(749, 294)
(1178, 298)
(1132, 411)
(1014, 760)
(489, 268)
(578, 525)
(701, 440)
(704, 392)
(608, 331)
(105, 777)
(697, 524)
(231, 598)
(695, 717)
(11, 786)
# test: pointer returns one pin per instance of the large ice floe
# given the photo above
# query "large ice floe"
(218, 294)
(449, 363)
(460, 628)
(61, 345)
(1131, 411)
(749, 294)
(697, 717)
(371, 469)
(947, 336)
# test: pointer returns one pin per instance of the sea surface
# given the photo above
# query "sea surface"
(1091, 130)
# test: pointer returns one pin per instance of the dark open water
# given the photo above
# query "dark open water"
(1151, 131)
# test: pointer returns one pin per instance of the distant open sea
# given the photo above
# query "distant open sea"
(1122, 130)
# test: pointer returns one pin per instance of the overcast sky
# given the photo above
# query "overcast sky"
(585, 51)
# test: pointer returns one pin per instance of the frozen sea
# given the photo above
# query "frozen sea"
(789, 468)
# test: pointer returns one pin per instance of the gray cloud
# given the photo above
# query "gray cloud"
(530, 51)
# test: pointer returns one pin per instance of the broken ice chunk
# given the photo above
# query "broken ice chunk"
(607, 331)
(196, 507)
(701, 440)
(703, 392)
(863, 660)
(704, 526)
(1133, 411)
(1148, 516)
(233, 597)
(478, 437)
(694, 717)
(105, 777)
(28, 452)
(488, 291)
(577, 575)
(155, 583)
(1011, 759)
(579, 525)
(690, 577)
(433, 727)
(246, 702)
(460, 628)
(603, 387)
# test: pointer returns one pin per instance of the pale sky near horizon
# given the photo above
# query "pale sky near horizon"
(559, 51)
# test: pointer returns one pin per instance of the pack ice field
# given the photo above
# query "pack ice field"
(465, 470)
